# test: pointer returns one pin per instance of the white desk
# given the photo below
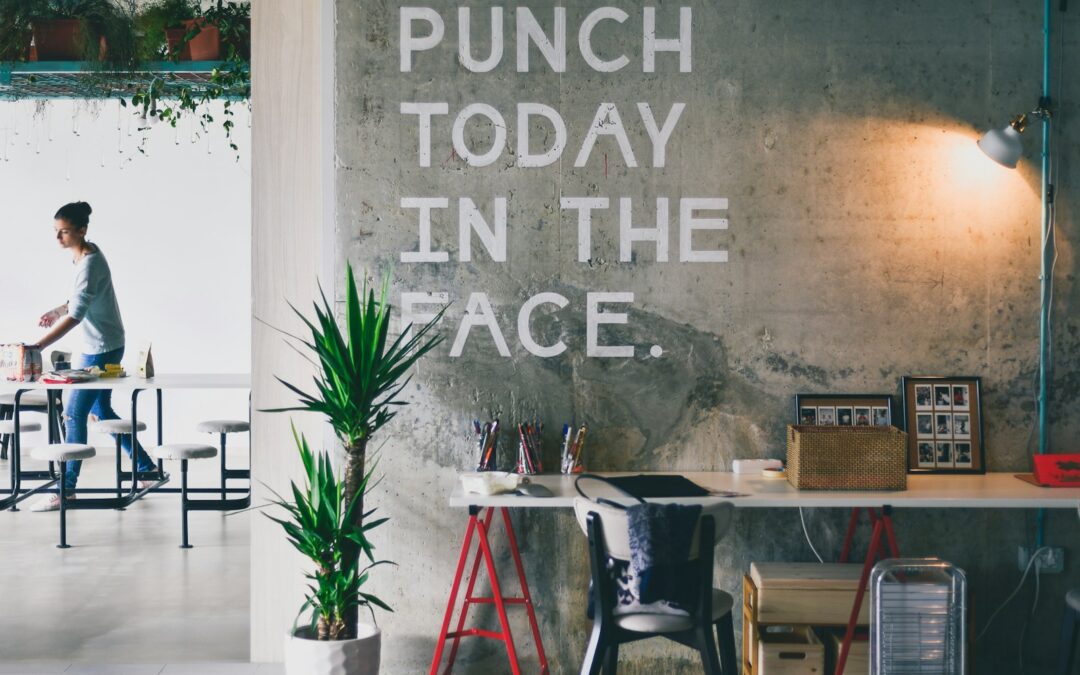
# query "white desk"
(992, 490)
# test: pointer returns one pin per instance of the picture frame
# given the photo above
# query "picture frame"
(943, 419)
(848, 410)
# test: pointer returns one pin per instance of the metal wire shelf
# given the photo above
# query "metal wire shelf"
(82, 80)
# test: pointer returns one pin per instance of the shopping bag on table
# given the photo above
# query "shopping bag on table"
(20, 363)
(145, 367)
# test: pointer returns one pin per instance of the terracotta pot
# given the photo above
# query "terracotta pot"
(304, 656)
(58, 40)
(206, 46)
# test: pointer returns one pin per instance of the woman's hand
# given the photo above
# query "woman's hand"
(50, 317)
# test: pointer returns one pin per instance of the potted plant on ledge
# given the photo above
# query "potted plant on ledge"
(361, 373)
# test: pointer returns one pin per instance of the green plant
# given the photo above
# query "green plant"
(233, 19)
(107, 29)
(168, 100)
(155, 18)
(320, 526)
(361, 374)
(16, 29)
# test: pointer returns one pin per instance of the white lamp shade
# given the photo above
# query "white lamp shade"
(1003, 146)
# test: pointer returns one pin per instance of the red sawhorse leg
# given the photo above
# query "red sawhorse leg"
(480, 523)
(881, 536)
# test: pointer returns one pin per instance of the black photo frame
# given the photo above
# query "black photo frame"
(840, 403)
(943, 419)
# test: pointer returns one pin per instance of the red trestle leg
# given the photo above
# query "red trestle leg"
(525, 591)
(500, 606)
(481, 524)
(441, 644)
(485, 527)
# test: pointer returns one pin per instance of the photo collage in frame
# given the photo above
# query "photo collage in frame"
(844, 410)
(944, 424)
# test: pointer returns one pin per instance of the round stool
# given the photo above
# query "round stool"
(31, 401)
(223, 428)
(63, 453)
(118, 429)
(184, 452)
(7, 427)
(8, 431)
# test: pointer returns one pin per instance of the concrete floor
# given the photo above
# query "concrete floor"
(125, 593)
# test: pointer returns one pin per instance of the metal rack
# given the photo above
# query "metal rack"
(84, 80)
(918, 612)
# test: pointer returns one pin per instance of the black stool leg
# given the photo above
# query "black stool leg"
(223, 470)
(5, 414)
(725, 635)
(119, 468)
(1068, 641)
(63, 506)
(183, 504)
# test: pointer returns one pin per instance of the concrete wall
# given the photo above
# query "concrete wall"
(868, 239)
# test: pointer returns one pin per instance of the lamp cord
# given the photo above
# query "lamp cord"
(806, 533)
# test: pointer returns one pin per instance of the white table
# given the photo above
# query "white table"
(135, 385)
(991, 490)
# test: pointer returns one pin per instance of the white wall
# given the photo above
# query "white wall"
(174, 224)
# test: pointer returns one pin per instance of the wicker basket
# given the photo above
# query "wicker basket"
(846, 458)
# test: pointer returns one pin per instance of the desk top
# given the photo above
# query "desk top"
(992, 490)
(165, 381)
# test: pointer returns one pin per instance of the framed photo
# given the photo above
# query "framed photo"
(845, 410)
(943, 418)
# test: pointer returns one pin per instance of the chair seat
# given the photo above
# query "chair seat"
(8, 426)
(28, 400)
(63, 452)
(184, 451)
(649, 622)
(116, 426)
(223, 426)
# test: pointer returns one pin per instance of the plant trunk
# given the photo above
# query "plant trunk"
(354, 478)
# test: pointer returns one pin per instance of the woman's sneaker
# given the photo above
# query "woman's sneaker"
(49, 503)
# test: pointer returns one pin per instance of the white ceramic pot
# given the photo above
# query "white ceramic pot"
(304, 656)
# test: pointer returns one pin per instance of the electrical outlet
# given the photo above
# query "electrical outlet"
(1051, 560)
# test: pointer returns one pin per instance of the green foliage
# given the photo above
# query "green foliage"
(230, 82)
(360, 370)
(361, 374)
(16, 28)
(319, 525)
(155, 18)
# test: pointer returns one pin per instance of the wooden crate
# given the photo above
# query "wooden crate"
(789, 650)
(814, 594)
(858, 660)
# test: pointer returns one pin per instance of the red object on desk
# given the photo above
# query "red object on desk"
(1058, 470)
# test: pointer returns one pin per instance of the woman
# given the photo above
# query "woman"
(92, 305)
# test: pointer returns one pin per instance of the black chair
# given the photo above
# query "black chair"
(608, 533)
(1069, 625)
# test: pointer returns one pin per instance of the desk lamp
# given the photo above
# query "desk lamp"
(1004, 146)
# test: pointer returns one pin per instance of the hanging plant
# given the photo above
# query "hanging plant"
(169, 99)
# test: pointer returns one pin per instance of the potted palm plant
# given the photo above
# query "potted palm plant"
(361, 372)
(320, 526)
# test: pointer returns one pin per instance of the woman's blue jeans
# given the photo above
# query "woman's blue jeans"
(82, 403)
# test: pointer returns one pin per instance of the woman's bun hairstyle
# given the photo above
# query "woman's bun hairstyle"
(75, 213)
